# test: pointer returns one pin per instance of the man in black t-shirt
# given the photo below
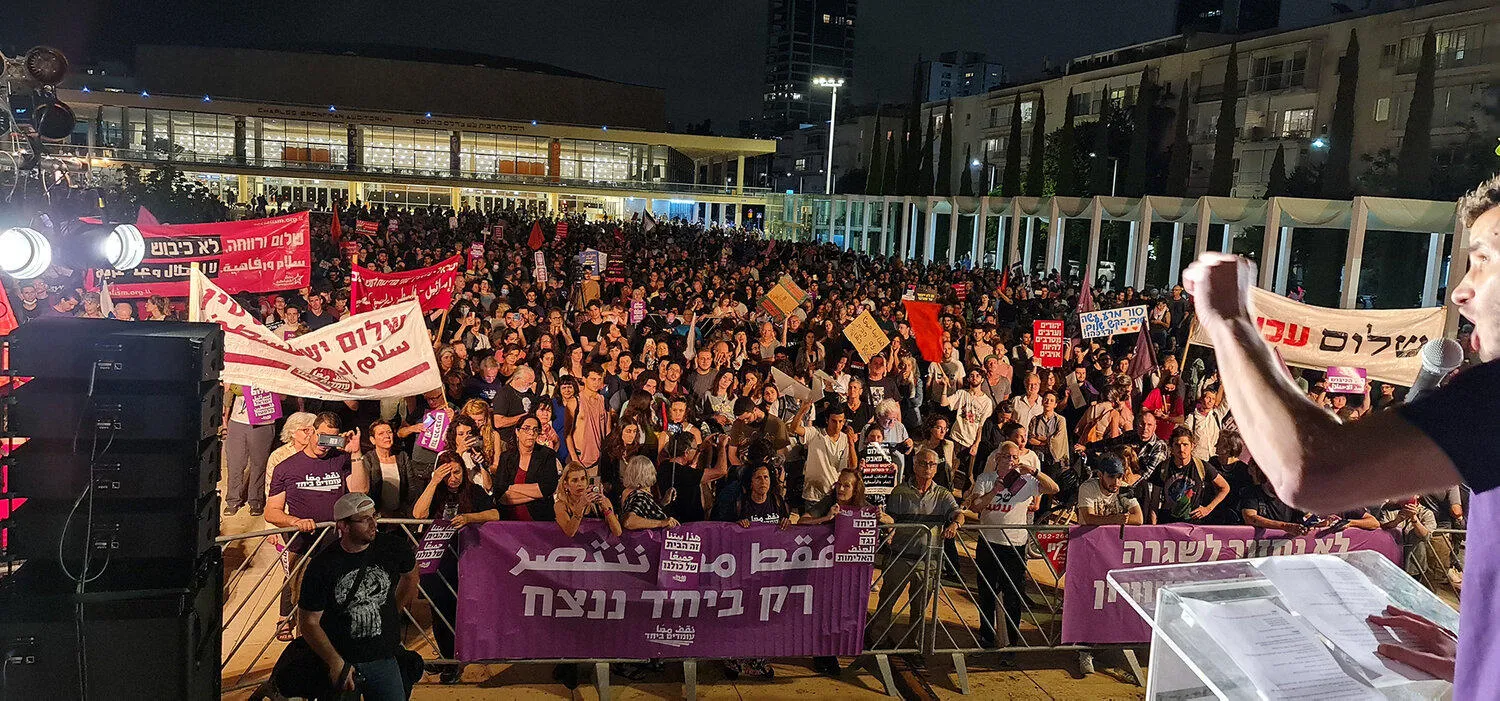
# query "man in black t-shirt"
(487, 383)
(352, 595)
(514, 400)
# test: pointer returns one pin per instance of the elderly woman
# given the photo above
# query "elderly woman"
(295, 434)
(641, 510)
(528, 476)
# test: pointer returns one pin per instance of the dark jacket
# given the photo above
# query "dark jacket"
(541, 472)
(406, 482)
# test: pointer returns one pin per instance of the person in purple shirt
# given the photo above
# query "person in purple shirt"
(303, 491)
(1448, 435)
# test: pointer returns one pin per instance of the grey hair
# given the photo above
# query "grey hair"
(296, 422)
(638, 473)
(888, 406)
(925, 453)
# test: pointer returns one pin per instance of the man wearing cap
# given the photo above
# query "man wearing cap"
(352, 596)
(1100, 501)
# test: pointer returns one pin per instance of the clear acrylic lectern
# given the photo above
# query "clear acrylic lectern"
(1287, 627)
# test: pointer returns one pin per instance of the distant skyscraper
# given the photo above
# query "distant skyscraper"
(958, 74)
(1227, 16)
(806, 39)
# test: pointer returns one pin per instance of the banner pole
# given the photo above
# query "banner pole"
(195, 292)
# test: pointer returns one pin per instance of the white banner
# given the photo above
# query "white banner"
(1387, 343)
(375, 355)
(1108, 322)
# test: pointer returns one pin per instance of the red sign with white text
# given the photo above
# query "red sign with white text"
(255, 255)
(433, 287)
(1047, 342)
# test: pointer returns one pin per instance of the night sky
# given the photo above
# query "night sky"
(707, 54)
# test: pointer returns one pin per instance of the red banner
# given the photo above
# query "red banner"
(1047, 342)
(368, 228)
(433, 287)
(562, 231)
(255, 255)
(923, 318)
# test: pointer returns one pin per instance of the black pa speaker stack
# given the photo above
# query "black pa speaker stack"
(118, 469)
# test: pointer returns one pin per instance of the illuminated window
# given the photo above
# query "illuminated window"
(1382, 109)
(1296, 123)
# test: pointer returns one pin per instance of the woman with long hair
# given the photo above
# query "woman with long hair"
(546, 372)
(623, 443)
(484, 419)
(452, 497)
(565, 412)
(718, 404)
(464, 439)
(577, 499)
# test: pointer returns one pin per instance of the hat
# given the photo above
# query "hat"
(1110, 465)
(352, 504)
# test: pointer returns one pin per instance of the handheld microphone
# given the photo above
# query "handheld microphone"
(1440, 356)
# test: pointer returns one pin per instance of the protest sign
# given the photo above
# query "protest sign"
(789, 386)
(856, 535)
(255, 255)
(881, 469)
(866, 336)
(1047, 342)
(1108, 322)
(593, 261)
(1387, 343)
(476, 253)
(637, 310)
(1092, 611)
(368, 228)
(374, 355)
(432, 287)
(261, 407)
(1345, 380)
(434, 544)
(680, 553)
(527, 590)
(783, 298)
(434, 434)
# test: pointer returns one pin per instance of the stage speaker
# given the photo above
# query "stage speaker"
(132, 470)
(134, 645)
(116, 412)
(61, 348)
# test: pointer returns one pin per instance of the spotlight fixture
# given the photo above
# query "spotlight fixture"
(45, 65)
(24, 253)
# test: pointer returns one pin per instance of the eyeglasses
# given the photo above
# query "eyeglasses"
(529, 429)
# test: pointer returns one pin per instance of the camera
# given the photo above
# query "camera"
(335, 441)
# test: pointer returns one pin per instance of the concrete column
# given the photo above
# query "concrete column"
(981, 221)
(952, 230)
(1227, 242)
(903, 251)
(848, 221)
(1174, 269)
(1091, 258)
(929, 236)
(1354, 254)
(1055, 228)
(1268, 244)
(739, 176)
(1140, 240)
(1434, 270)
(1030, 243)
(1132, 231)
(1458, 267)
(1283, 259)
(864, 226)
(1205, 218)
(739, 214)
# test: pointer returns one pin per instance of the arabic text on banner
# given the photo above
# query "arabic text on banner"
(1387, 343)
(1107, 322)
(1345, 380)
(255, 255)
(866, 336)
(1093, 611)
(375, 355)
(1047, 342)
(526, 590)
(432, 286)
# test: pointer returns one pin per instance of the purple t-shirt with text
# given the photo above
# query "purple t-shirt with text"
(312, 485)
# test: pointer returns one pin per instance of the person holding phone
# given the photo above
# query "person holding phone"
(577, 499)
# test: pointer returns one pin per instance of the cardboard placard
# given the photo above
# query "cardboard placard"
(866, 336)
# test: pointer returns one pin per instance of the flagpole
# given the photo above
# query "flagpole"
(1182, 362)
(195, 292)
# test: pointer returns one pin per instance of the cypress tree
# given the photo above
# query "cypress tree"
(924, 172)
(1276, 182)
(1140, 137)
(966, 181)
(1067, 177)
(1336, 185)
(1034, 176)
(944, 163)
(1414, 162)
(1221, 175)
(1010, 179)
(892, 182)
(875, 177)
(1099, 165)
(1182, 150)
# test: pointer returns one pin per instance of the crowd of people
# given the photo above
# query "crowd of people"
(659, 390)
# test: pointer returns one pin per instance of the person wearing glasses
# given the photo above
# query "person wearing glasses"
(527, 477)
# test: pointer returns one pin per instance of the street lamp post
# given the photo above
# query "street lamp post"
(1114, 175)
(833, 110)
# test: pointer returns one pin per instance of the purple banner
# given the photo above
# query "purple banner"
(434, 544)
(261, 407)
(1094, 613)
(526, 590)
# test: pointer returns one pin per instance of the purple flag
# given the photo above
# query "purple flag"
(1144, 362)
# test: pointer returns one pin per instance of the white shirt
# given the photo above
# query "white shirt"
(1026, 410)
(1091, 496)
(825, 457)
(1205, 428)
(969, 413)
(1009, 508)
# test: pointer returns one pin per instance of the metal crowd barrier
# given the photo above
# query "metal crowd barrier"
(916, 608)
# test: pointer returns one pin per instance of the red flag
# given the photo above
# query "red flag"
(338, 228)
(1086, 299)
(1004, 281)
(145, 218)
(535, 240)
(8, 321)
(923, 318)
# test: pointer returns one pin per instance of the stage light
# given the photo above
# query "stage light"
(123, 247)
(120, 247)
(46, 65)
(52, 118)
(24, 253)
